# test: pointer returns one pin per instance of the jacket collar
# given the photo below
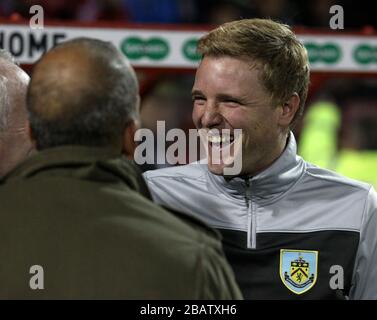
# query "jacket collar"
(269, 184)
(105, 165)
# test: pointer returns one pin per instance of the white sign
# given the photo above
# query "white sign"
(177, 49)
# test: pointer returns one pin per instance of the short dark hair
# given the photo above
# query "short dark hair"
(96, 113)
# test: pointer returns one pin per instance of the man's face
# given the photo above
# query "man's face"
(227, 94)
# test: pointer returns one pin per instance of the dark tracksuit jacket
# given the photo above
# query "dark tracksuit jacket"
(293, 231)
(82, 214)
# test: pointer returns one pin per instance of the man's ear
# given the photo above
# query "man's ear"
(129, 144)
(29, 133)
(289, 109)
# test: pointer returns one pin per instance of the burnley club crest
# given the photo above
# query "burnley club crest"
(298, 269)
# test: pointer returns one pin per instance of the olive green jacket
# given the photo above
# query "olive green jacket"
(82, 218)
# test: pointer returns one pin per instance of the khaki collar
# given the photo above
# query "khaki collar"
(80, 162)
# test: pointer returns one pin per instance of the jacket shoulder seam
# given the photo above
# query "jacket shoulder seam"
(363, 217)
(359, 187)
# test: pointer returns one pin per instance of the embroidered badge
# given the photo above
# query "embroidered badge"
(298, 269)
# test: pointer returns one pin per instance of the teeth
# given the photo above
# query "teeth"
(219, 139)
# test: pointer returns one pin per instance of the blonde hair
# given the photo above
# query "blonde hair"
(282, 57)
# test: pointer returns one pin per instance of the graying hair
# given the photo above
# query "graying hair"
(7, 56)
(4, 104)
(4, 97)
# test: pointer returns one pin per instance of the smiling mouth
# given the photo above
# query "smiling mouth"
(224, 150)
(220, 141)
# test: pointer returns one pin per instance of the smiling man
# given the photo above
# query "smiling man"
(223, 101)
(285, 223)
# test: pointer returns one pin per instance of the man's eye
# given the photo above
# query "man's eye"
(230, 101)
(198, 99)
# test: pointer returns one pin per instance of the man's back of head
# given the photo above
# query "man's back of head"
(82, 92)
(15, 144)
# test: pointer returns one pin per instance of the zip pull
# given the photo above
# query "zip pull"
(248, 190)
(252, 229)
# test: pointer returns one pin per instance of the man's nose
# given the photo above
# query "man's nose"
(211, 117)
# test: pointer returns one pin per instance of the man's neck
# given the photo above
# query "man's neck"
(278, 151)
